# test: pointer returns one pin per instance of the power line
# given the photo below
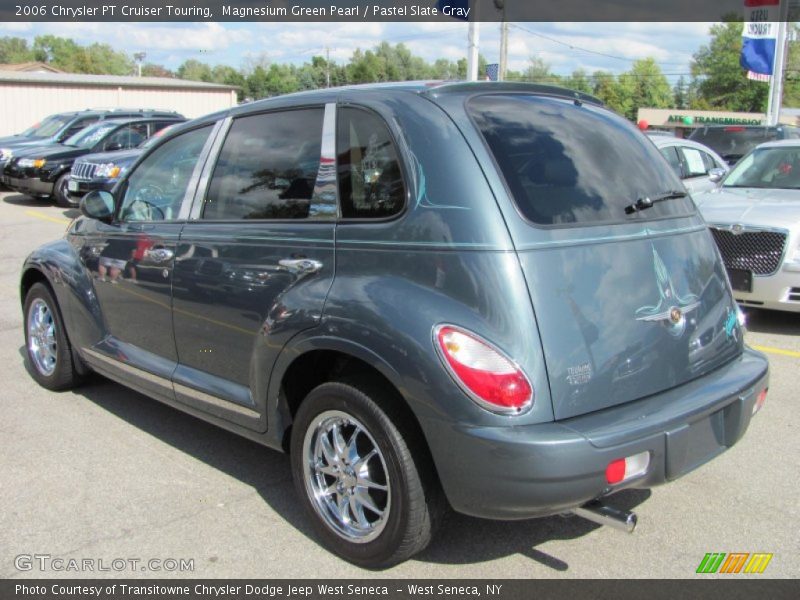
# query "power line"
(579, 48)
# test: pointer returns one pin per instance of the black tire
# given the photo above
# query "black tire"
(416, 500)
(63, 375)
(61, 194)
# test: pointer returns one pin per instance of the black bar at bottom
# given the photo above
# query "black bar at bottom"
(707, 587)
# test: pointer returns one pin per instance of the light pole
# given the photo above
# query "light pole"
(139, 58)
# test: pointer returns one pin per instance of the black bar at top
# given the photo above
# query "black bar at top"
(375, 10)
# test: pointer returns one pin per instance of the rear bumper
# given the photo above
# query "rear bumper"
(773, 292)
(537, 470)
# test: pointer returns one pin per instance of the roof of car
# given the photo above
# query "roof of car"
(663, 141)
(739, 127)
(789, 142)
(428, 87)
(128, 120)
(431, 88)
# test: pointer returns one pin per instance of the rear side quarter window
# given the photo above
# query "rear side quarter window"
(370, 177)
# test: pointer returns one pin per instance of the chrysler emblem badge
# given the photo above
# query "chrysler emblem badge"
(737, 229)
(672, 308)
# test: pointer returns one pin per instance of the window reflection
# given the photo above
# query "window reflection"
(267, 168)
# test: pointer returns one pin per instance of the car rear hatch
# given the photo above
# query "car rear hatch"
(629, 301)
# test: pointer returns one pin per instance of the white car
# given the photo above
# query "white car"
(754, 216)
(698, 166)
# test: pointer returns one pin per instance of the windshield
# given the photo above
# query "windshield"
(771, 167)
(568, 163)
(47, 127)
(734, 142)
(86, 138)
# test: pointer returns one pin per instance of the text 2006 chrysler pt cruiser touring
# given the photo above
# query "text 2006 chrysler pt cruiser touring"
(488, 296)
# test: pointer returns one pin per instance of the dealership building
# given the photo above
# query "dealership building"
(681, 122)
(28, 96)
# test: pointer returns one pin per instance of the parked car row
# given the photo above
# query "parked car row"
(38, 162)
(754, 216)
(495, 297)
(753, 211)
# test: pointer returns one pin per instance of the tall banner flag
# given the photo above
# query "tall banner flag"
(758, 36)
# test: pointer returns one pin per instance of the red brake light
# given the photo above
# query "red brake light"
(734, 129)
(615, 471)
(626, 468)
(489, 377)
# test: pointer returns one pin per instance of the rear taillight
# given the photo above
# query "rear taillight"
(626, 468)
(486, 374)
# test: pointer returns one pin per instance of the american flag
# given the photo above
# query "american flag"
(758, 76)
(492, 72)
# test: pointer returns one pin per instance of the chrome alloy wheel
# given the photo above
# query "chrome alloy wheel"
(42, 345)
(346, 476)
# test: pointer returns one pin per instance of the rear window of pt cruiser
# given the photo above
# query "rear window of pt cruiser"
(572, 163)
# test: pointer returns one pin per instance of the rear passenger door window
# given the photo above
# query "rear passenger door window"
(370, 177)
(267, 167)
(693, 159)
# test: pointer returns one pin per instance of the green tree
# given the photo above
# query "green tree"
(154, 70)
(578, 81)
(719, 82)
(538, 71)
(680, 93)
(194, 70)
(650, 87)
(256, 84)
(67, 55)
(15, 50)
(608, 90)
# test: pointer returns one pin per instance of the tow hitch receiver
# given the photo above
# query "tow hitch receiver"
(600, 513)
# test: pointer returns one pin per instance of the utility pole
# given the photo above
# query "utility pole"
(327, 66)
(472, 51)
(779, 64)
(501, 76)
(503, 66)
(139, 58)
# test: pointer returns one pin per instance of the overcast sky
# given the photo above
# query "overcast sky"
(618, 44)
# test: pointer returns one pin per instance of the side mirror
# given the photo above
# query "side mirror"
(715, 175)
(113, 147)
(98, 205)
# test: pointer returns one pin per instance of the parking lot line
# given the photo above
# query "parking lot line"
(44, 217)
(781, 351)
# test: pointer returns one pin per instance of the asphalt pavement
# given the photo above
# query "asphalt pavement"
(105, 474)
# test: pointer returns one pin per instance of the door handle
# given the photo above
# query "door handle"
(159, 255)
(300, 265)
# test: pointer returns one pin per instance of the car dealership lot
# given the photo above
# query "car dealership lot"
(105, 473)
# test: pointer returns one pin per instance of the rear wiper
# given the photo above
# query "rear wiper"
(647, 202)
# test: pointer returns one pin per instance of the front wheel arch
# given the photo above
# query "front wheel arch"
(32, 276)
